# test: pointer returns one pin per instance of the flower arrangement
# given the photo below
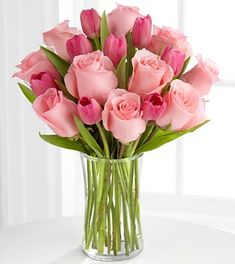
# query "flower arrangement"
(116, 89)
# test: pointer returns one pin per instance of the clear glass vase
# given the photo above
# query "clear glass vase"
(112, 224)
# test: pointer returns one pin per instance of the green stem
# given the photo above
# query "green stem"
(97, 43)
(153, 133)
(105, 142)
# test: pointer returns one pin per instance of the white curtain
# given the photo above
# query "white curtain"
(30, 175)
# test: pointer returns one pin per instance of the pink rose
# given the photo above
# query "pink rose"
(185, 107)
(91, 75)
(153, 107)
(174, 58)
(142, 32)
(122, 19)
(203, 75)
(115, 48)
(90, 21)
(150, 73)
(41, 82)
(57, 111)
(122, 115)
(35, 63)
(58, 36)
(89, 111)
(78, 45)
(169, 37)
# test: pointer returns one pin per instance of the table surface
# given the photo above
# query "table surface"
(167, 241)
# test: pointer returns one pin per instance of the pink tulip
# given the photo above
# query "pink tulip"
(115, 48)
(78, 45)
(89, 110)
(153, 107)
(57, 111)
(175, 59)
(90, 21)
(141, 32)
(203, 75)
(41, 82)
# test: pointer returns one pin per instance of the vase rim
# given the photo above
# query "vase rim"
(135, 157)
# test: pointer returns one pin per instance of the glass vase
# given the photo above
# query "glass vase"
(112, 222)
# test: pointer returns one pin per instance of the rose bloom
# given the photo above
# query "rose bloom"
(122, 115)
(34, 63)
(185, 107)
(92, 76)
(150, 73)
(169, 37)
(57, 111)
(122, 18)
(58, 36)
(203, 75)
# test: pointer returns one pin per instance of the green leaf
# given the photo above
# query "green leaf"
(60, 64)
(87, 137)
(183, 69)
(131, 50)
(28, 93)
(121, 73)
(104, 29)
(65, 91)
(162, 137)
(63, 142)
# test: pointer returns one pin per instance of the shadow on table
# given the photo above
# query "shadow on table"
(74, 256)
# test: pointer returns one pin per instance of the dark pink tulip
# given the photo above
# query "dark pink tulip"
(41, 82)
(115, 48)
(174, 58)
(153, 107)
(78, 45)
(90, 21)
(89, 110)
(141, 32)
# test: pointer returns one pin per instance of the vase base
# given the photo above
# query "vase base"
(108, 257)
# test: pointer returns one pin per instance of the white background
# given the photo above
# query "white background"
(192, 178)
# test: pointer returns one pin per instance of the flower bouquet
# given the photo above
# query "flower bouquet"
(113, 91)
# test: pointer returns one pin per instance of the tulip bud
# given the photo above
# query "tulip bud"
(41, 82)
(90, 21)
(153, 107)
(174, 58)
(89, 111)
(78, 45)
(141, 32)
(115, 48)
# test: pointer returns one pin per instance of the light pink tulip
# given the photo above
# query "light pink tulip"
(203, 75)
(89, 110)
(35, 63)
(78, 45)
(90, 21)
(115, 48)
(174, 58)
(184, 107)
(122, 115)
(153, 107)
(142, 31)
(150, 73)
(91, 75)
(169, 37)
(57, 111)
(58, 36)
(41, 82)
(122, 18)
